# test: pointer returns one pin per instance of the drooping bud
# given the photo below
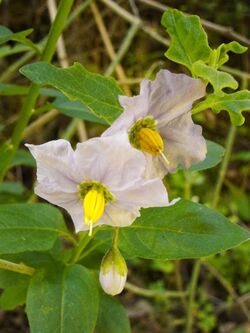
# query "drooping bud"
(113, 272)
(93, 204)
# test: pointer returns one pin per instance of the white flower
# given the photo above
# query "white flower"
(159, 122)
(101, 182)
(113, 272)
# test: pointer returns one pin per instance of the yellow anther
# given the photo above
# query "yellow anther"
(93, 204)
(150, 141)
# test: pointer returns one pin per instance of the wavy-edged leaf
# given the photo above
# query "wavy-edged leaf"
(188, 39)
(223, 49)
(184, 230)
(97, 93)
(233, 103)
(219, 80)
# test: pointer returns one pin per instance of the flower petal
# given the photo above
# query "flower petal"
(55, 166)
(144, 193)
(172, 95)
(111, 160)
(184, 143)
(165, 98)
(69, 201)
(134, 108)
(141, 194)
(117, 215)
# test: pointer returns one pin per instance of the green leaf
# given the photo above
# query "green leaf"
(6, 35)
(219, 80)
(23, 157)
(97, 93)
(63, 300)
(29, 227)
(12, 188)
(183, 230)
(233, 103)
(9, 279)
(14, 295)
(188, 39)
(7, 50)
(76, 110)
(215, 152)
(223, 49)
(112, 317)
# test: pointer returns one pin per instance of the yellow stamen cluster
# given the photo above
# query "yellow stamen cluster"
(94, 197)
(150, 141)
(93, 204)
(143, 135)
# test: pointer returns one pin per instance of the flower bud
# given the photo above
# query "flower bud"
(113, 272)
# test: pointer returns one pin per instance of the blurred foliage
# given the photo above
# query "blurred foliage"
(213, 307)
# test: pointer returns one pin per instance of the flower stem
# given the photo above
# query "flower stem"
(83, 242)
(115, 238)
(28, 106)
(19, 268)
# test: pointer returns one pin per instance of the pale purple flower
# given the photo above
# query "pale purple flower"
(111, 165)
(164, 106)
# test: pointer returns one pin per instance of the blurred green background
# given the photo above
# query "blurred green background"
(93, 38)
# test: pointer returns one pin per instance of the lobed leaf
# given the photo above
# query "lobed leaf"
(219, 80)
(223, 49)
(233, 103)
(189, 41)
(184, 230)
(98, 94)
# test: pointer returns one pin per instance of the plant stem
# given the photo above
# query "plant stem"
(19, 268)
(83, 242)
(28, 106)
(192, 291)
(218, 187)
(115, 238)
(224, 165)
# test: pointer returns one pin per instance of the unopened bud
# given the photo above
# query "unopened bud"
(113, 272)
